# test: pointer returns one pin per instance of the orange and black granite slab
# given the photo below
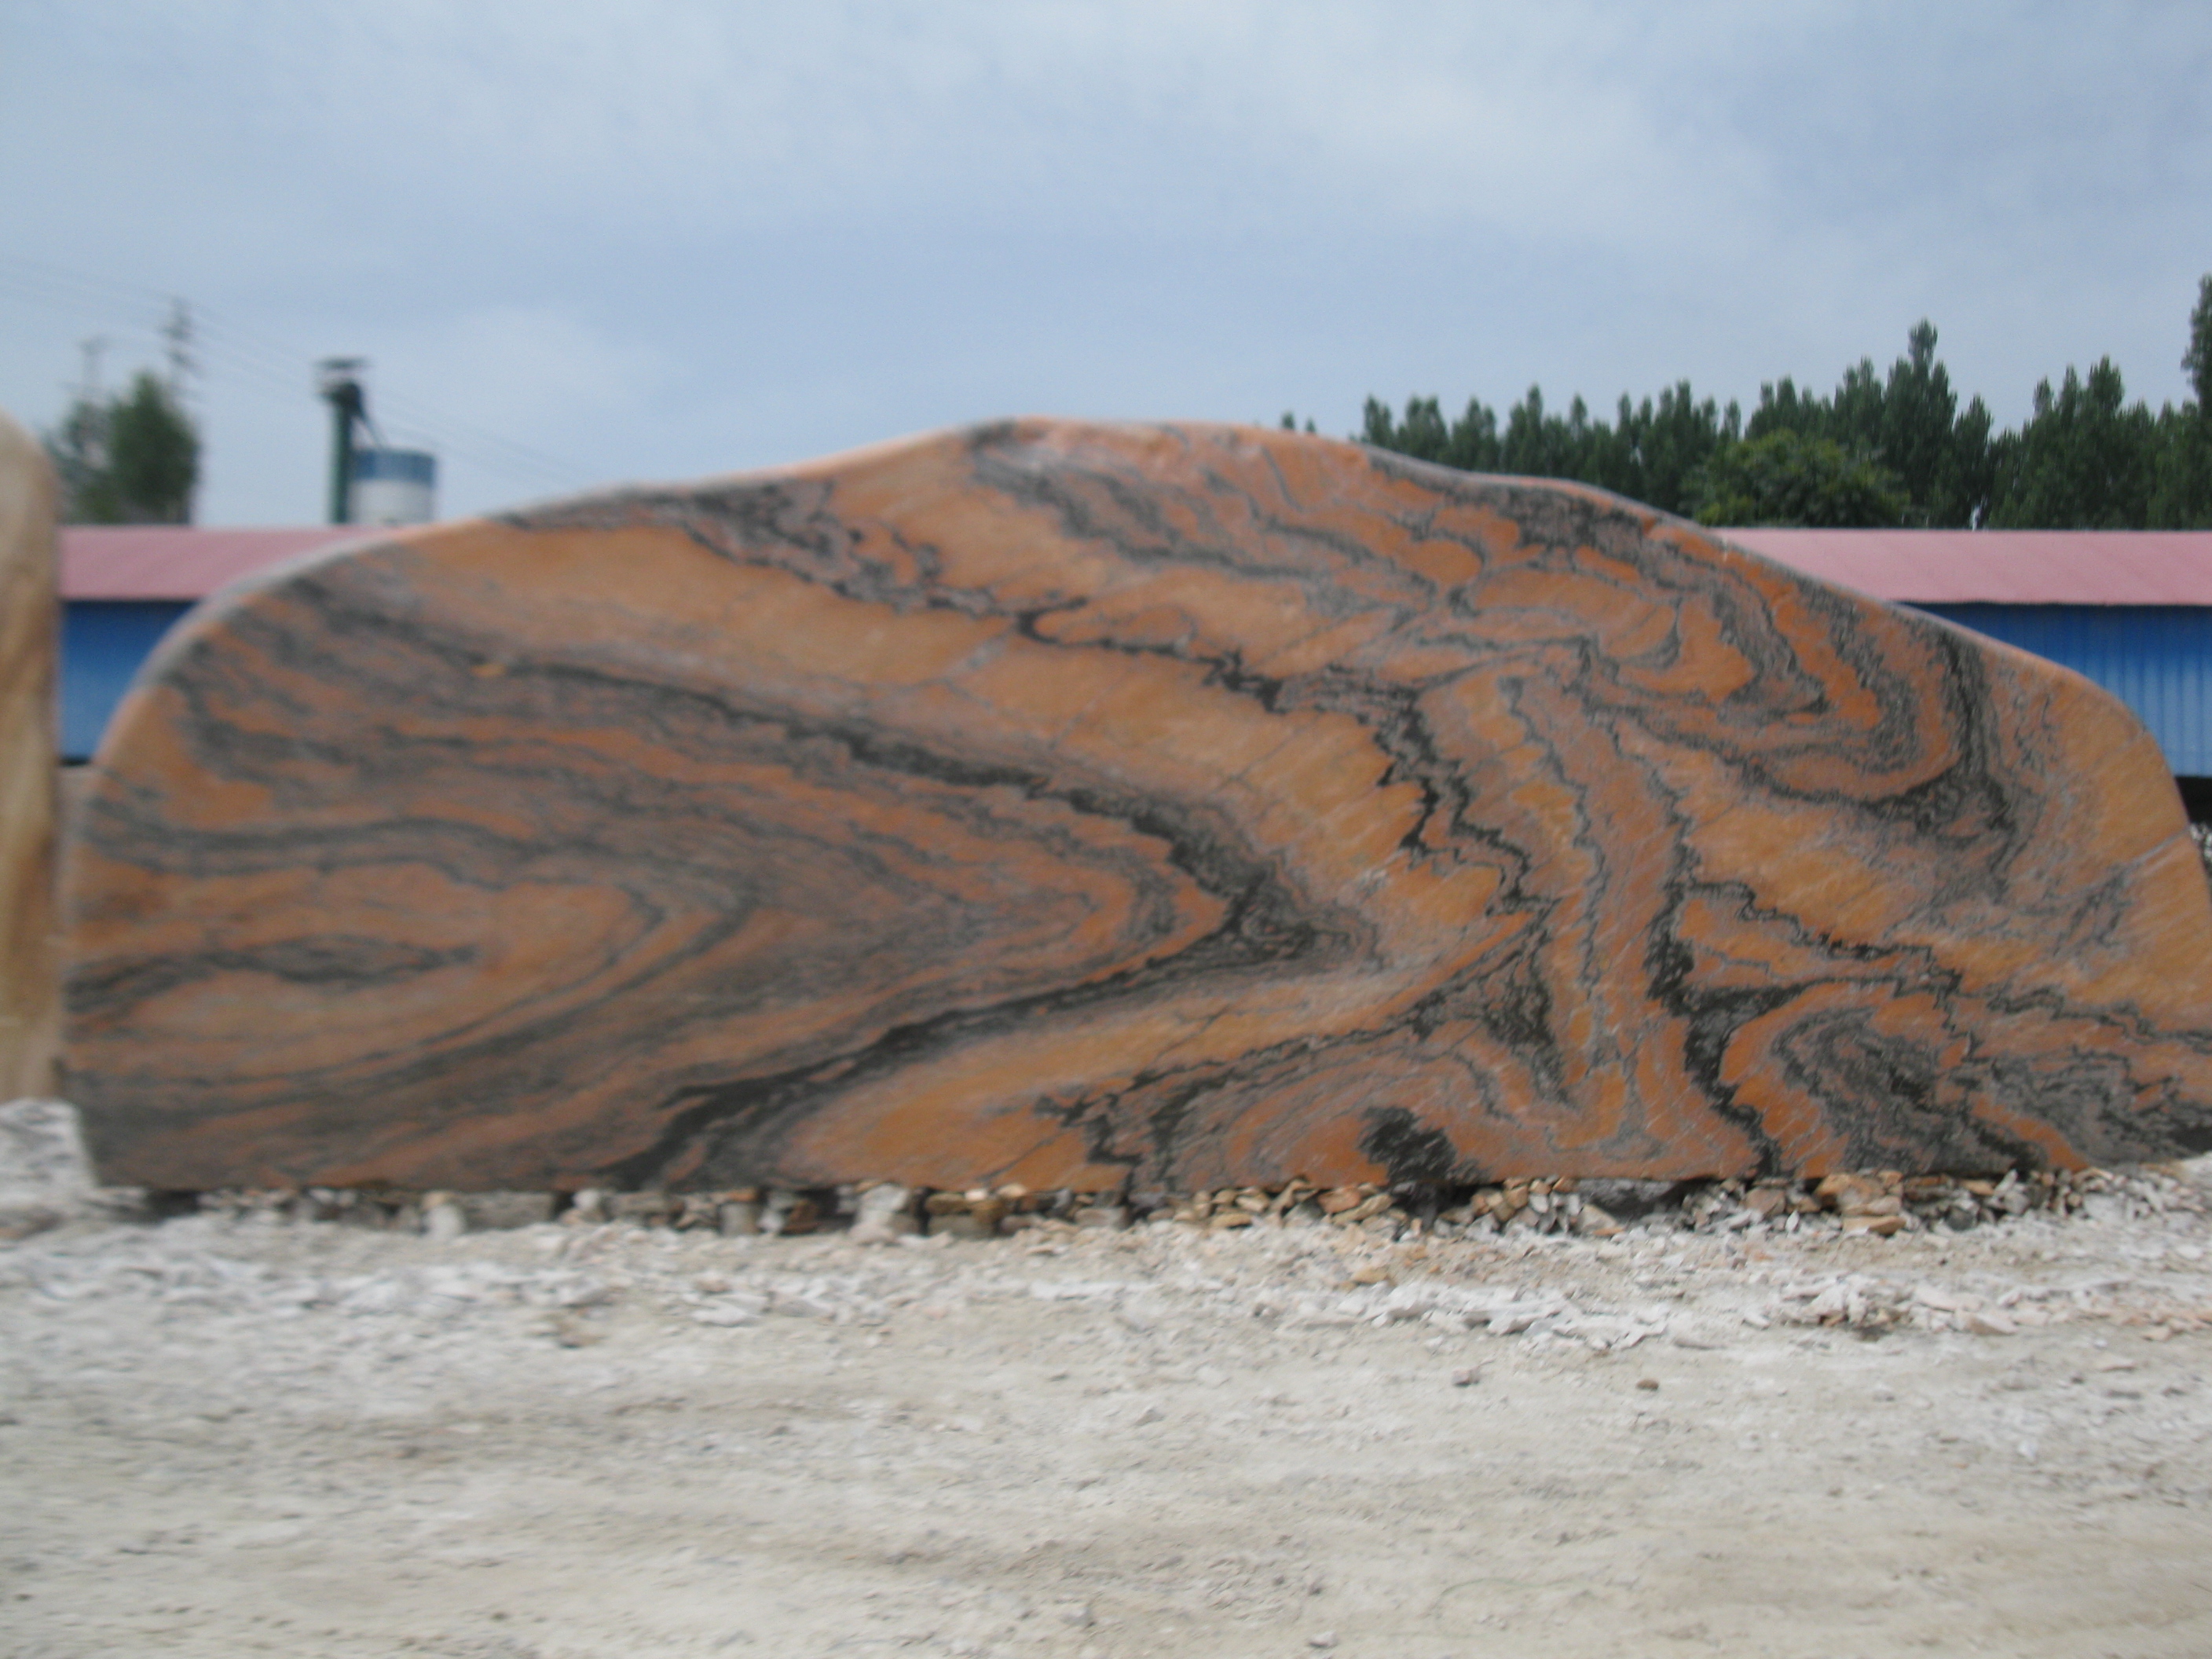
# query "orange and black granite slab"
(1065, 803)
(30, 1001)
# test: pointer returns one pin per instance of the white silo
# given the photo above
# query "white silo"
(394, 486)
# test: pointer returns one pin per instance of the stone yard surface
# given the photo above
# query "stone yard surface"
(228, 1435)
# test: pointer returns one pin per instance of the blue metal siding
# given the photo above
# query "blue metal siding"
(103, 642)
(2155, 658)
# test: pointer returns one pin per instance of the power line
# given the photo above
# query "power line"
(198, 340)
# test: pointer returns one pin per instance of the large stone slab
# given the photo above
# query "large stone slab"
(1062, 803)
(30, 1002)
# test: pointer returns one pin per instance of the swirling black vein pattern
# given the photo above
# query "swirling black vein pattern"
(1073, 804)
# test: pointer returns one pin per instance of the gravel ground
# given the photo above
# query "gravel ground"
(230, 1434)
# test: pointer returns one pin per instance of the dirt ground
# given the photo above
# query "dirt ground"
(225, 1437)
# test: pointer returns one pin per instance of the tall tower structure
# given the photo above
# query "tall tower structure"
(338, 381)
(371, 482)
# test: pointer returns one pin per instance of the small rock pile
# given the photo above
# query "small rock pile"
(1884, 1203)
(1870, 1305)
(1879, 1204)
(44, 1184)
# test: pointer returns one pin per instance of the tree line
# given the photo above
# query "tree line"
(1879, 451)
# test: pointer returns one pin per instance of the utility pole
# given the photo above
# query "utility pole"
(88, 388)
(92, 406)
(337, 380)
(177, 332)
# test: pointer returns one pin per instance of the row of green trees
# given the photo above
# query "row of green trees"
(1879, 450)
(132, 459)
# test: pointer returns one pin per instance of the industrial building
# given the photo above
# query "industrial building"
(2130, 610)
(123, 586)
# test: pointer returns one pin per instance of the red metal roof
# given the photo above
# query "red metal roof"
(181, 561)
(2000, 566)
(1932, 566)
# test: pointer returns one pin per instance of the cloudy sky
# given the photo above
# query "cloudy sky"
(581, 242)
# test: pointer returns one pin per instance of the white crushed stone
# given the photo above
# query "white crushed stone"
(236, 1432)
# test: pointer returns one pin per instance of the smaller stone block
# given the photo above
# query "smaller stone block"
(30, 971)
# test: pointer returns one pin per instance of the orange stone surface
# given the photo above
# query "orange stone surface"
(1067, 805)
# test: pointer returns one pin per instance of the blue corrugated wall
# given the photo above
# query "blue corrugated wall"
(103, 642)
(2155, 658)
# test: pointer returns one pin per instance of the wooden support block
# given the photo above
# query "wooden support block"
(30, 970)
(1065, 805)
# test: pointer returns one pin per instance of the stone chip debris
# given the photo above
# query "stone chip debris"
(1882, 1204)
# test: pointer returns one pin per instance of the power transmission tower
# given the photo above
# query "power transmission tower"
(177, 332)
(86, 428)
(88, 388)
